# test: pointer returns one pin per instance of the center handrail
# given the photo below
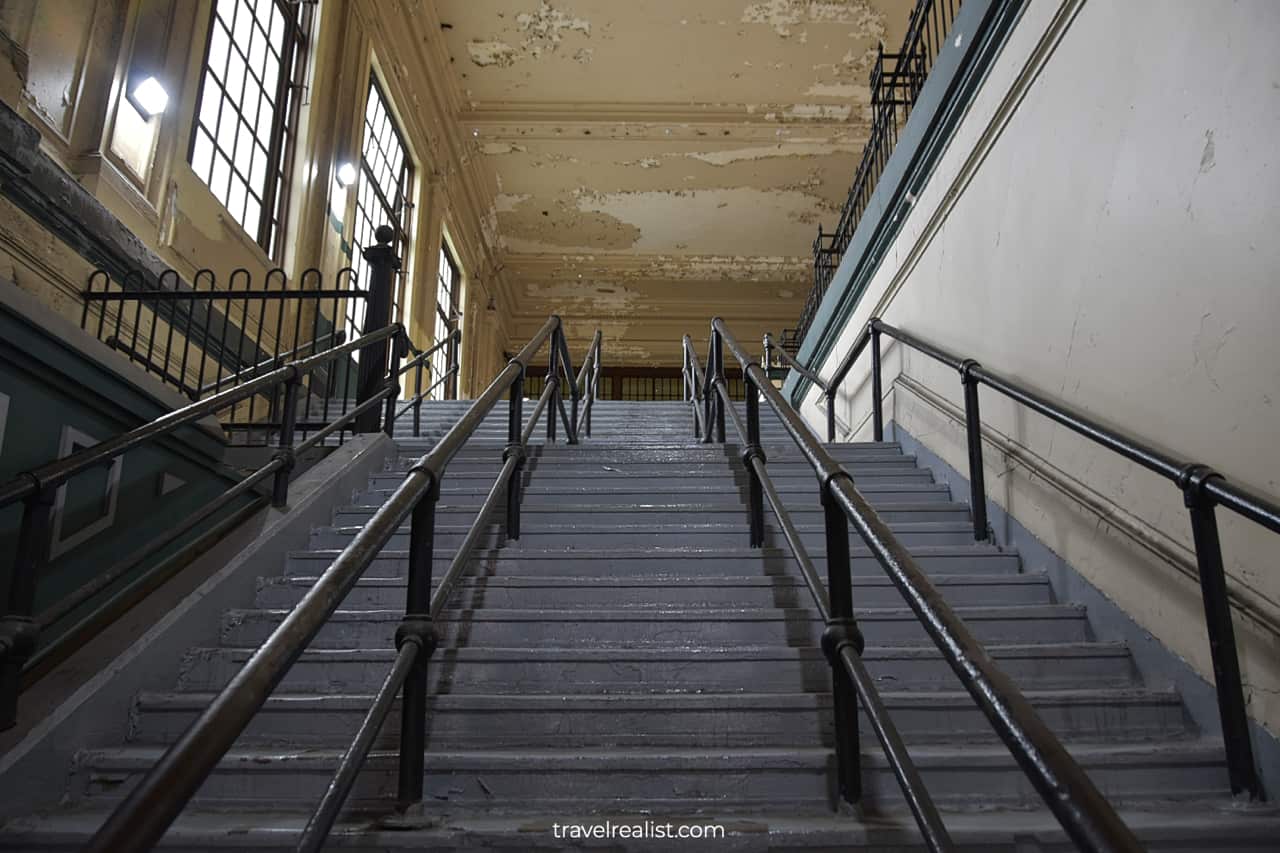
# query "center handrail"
(1067, 790)
(153, 804)
(932, 829)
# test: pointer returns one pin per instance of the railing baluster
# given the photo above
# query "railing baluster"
(877, 393)
(417, 627)
(280, 485)
(842, 631)
(973, 432)
(1241, 771)
(18, 631)
(515, 447)
(753, 450)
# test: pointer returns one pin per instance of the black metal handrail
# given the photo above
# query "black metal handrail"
(1086, 816)
(153, 804)
(588, 383)
(36, 488)
(894, 91)
(849, 673)
(1203, 490)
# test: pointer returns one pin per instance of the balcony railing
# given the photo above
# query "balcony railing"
(896, 81)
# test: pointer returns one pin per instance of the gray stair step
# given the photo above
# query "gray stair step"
(661, 592)
(529, 670)
(589, 535)
(1054, 623)
(541, 492)
(688, 719)
(776, 780)
(534, 517)
(666, 561)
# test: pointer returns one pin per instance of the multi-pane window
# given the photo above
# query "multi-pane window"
(447, 295)
(242, 138)
(382, 197)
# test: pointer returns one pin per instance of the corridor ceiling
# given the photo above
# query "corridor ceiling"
(656, 161)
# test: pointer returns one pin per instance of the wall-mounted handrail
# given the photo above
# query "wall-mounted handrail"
(153, 804)
(1066, 789)
(1203, 489)
(848, 656)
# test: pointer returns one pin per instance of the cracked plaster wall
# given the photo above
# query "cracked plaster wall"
(1113, 246)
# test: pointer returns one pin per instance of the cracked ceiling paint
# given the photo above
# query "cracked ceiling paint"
(664, 141)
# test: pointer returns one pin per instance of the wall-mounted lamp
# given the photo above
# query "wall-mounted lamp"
(346, 174)
(148, 96)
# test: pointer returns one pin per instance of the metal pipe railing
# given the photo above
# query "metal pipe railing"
(1203, 490)
(1066, 789)
(845, 659)
(159, 797)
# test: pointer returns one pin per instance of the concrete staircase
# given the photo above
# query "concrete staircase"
(631, 656)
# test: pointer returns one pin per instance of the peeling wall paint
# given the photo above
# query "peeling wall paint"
(544, 30)
(783, 15)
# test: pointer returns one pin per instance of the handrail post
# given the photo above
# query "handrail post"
(455, 349)
(831, 413)
(594, 381)
(399, 349)
(417, 627)
(515, 427)
(842, 631)
(767, 358)
(553, 375)
(18, 630)
(877, 404)
(417, 397)
(973, 430)
(1241, 771)
(280, 483)
(753, 451)
(717, 354)
(383, 264)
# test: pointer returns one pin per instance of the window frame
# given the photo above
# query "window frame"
(397, 216)
(282, 143)
(446, 318)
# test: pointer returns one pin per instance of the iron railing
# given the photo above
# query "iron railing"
(143, 817)
(842, 642)
(35, 489)
(1203, 490)
(896, 80)
(1066, 789)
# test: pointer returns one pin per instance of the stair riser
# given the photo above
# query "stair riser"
(482, 632)
(531, 520)
(537, 494)
(806, 785)
(639, 475)
(476, 596)
(509, 563)
(518, 673)
(628, 723)
(655, 538)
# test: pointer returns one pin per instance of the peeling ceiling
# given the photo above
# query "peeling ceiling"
(645, 149)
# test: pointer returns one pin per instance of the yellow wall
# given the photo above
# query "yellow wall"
(63, 67)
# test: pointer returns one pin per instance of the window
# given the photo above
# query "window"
(447, 296)
(242, 138)
(382, 197)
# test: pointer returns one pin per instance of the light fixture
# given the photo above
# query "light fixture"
(346, 174)
(149, 97)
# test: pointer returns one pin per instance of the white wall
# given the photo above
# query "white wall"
(1105, 227)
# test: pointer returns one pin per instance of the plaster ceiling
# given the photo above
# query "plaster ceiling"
(633, 146)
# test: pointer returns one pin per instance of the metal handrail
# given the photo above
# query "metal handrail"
(588, 382)
(692, 374)
(153, 804)
(19, 629)
(1203, 490)
(932, 829)
(1066, 789)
